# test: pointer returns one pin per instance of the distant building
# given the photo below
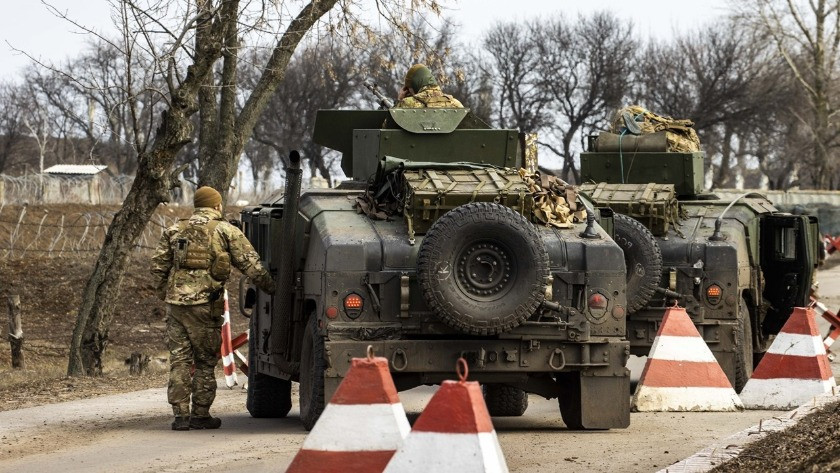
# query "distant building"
(74, 183)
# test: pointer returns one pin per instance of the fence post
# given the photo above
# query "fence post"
(15, 332)
(137, 363)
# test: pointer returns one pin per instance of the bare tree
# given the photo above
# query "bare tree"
(12, 128)
(721, 78)
(185, 43)
(154, 178)
(512, 62)
(586, 70)
(806, 36)
(323, 75)
(226, 128)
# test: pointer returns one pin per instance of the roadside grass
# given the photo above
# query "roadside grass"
(45, 380)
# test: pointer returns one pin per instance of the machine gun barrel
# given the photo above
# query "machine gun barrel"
(384, 102)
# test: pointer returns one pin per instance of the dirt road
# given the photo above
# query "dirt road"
(130, 433)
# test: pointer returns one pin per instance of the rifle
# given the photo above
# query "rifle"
(384, 102)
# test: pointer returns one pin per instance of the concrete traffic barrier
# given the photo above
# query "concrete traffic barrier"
(794, 369)
(453, 434)
(681, 373)
(361, 427)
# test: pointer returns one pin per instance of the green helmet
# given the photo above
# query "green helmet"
(419, 76)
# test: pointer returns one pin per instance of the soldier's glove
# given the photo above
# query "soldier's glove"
(160, 292)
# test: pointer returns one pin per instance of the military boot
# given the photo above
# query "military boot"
(181, 423)
(209, 422)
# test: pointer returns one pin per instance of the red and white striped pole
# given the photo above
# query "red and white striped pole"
(831, 317)
(227, 348)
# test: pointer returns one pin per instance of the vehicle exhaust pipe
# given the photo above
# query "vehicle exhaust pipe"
(284, 298)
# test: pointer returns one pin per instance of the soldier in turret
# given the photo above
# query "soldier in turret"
(191, 265)
(421, 90)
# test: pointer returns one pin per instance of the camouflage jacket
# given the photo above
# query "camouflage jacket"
(429, 96)
(181, 286)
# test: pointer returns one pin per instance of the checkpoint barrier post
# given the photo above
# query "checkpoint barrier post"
(794, 369)
(454, 434)
(361, 427)
(681, 373)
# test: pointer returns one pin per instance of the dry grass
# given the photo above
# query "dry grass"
(44, 380)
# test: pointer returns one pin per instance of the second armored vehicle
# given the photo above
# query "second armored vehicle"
(737, 266)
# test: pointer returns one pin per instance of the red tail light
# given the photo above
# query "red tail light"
(713, 294)
(353, 304)
(597, 301)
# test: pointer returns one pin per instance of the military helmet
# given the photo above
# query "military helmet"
(419, 76)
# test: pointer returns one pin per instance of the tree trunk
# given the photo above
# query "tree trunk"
(234, 133)
(723, 175)
(16, 332)
(137, 363)
(150, 187)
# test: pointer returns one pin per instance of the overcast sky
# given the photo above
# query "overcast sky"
(27, 24)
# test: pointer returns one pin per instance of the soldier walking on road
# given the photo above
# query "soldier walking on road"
(191, 264)
(421, 90)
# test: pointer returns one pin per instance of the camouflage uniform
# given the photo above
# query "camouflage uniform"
(430, 96)
(195, 305)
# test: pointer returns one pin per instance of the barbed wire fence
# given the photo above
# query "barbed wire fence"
(63, 189)
(65, 216)
(101, 189)
(52, 232)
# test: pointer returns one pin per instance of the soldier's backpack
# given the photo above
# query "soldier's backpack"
(193, 250)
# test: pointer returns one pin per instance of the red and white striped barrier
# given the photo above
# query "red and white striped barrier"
(453, 434)
(794, 369)
(361, 427)
(832, 318)
(681, 373)
(832, 244)
(228, 362)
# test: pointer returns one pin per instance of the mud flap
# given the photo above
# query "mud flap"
(594, 402)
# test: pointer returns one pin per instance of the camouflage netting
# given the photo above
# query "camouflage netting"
(679, 132)
(555, 201)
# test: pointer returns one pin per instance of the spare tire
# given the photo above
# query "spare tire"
(642, 258)
(483, 268)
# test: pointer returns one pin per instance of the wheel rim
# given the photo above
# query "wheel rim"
(486, 270)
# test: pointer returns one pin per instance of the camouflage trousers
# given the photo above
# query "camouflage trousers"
(194, 337)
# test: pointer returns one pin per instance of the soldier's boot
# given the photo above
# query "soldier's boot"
(181, 423)
(182, 417)
(209, 422)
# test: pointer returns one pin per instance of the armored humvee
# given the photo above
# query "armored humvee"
(434, 252)
(738, 266)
